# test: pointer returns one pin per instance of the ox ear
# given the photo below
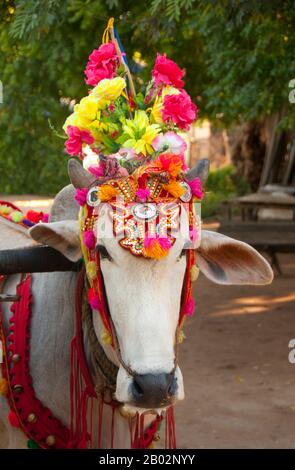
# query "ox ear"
(63, 236)
(225, 260)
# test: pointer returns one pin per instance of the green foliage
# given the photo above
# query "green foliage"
(222, 184)
(238, 55)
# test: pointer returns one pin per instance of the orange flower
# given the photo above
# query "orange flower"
(171, 163)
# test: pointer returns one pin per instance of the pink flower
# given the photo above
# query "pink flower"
(102, 63)
(81, 196)
(143, 194)
(76, 138)
(179, 109)
(167, 72)
(196, 187)
(97, 170)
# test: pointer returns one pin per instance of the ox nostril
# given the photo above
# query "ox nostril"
(153, 390)
(136, 389)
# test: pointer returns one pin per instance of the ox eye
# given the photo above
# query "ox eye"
(103, 252)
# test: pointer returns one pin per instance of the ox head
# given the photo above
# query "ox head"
(144, 296)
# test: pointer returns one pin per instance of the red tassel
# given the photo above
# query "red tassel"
(13, 419)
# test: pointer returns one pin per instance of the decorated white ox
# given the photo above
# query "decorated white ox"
(144, 301)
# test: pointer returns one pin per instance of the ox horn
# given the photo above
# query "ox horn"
(39, 259)
(79, 177)
(200, 170)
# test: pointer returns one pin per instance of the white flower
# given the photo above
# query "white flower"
(169, 142)
(90, 157)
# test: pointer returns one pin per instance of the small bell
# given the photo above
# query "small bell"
(194, 273)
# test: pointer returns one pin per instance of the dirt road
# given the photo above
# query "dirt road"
(239, 384)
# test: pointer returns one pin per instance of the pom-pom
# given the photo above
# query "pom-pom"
(107, 192)
(174, 188)
(106, 337)
(32, 444)
(174, 164)
(89, 239)
(189, 307)
(157, 247)
(81, 196)
(16, 216)
(45, 218)
(34, 216)
(193, 234)
(93, 299)
(180, 336)
(143, 194)
(13, 419)
(196, 187)
(3, 387)
(91, 270)
(5, 210)
(194, 273)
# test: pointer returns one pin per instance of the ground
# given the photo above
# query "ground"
(239, 383)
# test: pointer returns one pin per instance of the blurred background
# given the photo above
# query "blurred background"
(240, 71)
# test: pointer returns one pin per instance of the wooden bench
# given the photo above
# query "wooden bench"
(250, 204)
(270, 238)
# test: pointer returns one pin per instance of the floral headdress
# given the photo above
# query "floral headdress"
(132, 144)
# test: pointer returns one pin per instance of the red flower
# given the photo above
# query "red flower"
(102, 64)
(76, 138)
(179, 109)
(167, 72)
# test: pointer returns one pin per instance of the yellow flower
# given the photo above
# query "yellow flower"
(139, 133)
(76, 120)
(108, 90)
(87, 108)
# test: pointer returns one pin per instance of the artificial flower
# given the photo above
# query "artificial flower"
(179, 109)
(76, 139)
(102, 63)
(169, 142)
(139, 133)
(76, 120)
(109, 90)
(167, 72)
(91, 158)
(88, 107)
(171, 163)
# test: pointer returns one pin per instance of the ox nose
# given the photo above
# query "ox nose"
(153, 390)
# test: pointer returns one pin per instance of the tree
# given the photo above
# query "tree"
(238, 56)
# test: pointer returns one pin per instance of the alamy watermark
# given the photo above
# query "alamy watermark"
(292, 92)
(1, 92)
(291, 356)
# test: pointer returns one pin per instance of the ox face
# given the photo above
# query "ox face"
(144, 302)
